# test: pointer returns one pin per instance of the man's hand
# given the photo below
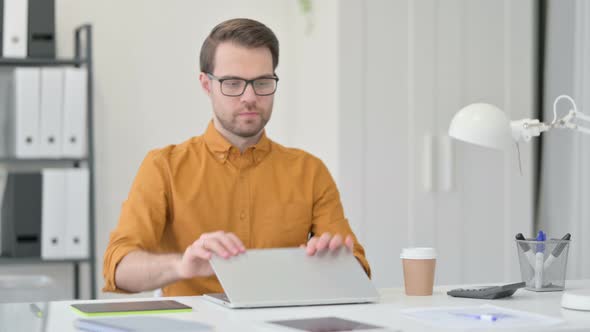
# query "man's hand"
(327, 241)
(195, 260)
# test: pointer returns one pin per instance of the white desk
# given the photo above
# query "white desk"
(18, 317)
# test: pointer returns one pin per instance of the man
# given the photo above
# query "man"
(229, 189)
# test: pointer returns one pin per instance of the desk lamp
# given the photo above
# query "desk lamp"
(487, 126)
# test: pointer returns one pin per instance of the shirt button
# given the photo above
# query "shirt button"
(243, 215)
(220, 155)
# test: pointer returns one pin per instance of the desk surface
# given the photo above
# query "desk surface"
(59, 317)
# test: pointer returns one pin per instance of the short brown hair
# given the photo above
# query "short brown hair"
(242, 31)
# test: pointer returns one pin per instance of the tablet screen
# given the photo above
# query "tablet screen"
(325, 324)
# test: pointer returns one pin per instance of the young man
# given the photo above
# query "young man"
(228, 190)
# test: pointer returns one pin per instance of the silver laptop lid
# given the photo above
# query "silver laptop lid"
(288, 276)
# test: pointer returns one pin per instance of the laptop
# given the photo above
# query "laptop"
(289, 277)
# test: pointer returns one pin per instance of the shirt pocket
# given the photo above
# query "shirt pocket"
(285, 224)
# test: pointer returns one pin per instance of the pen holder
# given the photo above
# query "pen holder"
(543, 264)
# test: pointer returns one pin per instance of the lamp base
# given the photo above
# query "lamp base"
(576, 299)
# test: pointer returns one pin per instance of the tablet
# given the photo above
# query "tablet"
(129, 308)
(326, 324)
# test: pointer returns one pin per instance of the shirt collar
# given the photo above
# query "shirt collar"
(214, 140)
(219, 145)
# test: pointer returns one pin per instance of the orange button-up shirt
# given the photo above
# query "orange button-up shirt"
(269, 196)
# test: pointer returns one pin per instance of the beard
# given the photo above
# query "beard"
(245, 126)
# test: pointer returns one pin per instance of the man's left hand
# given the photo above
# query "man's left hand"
(327, 241)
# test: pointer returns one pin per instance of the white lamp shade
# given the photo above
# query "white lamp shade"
(482, 124)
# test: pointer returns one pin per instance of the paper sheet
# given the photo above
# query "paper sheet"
(479, 317)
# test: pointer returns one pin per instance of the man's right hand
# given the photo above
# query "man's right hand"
(195, 260)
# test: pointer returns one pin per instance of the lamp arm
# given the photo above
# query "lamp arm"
(582, 116)
(568, 122)
(571, 100)
(524, 129)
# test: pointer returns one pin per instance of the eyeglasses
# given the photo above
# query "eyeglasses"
(234, 87)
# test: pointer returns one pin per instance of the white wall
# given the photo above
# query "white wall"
(317, 73)
(352, 86)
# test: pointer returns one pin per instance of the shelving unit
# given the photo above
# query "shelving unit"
(82, 58)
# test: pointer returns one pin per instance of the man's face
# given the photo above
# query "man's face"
(244, 115)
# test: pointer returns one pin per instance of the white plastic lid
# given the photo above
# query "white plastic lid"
(576, 299)
(418, 253)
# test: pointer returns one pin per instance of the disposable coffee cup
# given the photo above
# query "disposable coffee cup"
(418, 265)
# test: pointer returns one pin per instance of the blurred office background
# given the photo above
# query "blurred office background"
(369, 87)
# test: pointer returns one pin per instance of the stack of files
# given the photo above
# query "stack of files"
(43, 112)
(27, 28)
(65, 211)
(45, 213)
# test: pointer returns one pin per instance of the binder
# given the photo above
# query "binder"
(3, 178)
(19, 112)
(51, 112)
(15, 28)
(26, 111)
(5, 219)
(74, 113)
(41, 29)
(53, 215)
(21, 215)
(6, 122)
(1, 25)
(76, 210)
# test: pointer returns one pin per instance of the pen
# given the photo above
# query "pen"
(35, 310)
(557, 251)
(524, 246)
(484, 317)
(541, 237)
(526, 249)
(539, 260)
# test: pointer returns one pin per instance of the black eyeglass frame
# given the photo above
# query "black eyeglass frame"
(220, 80)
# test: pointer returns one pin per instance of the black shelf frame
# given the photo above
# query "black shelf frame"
(82, 58)
(38, 260)
(42, 160)
(36, 62)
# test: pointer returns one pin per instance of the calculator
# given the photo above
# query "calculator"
(487, 292)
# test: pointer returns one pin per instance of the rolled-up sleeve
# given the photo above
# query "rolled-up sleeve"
(328, 213)
(143, 217)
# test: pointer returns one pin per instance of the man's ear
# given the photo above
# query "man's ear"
(205, 83)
